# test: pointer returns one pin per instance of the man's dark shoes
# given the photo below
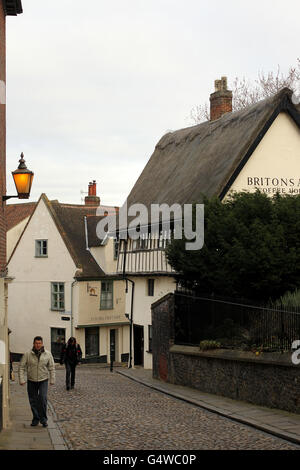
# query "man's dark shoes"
(68, 388)
(34, 423)
(45, 425)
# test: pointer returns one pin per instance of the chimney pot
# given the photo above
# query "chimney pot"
(92, 199)
(220, 100)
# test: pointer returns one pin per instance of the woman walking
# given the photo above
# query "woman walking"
(70, 355)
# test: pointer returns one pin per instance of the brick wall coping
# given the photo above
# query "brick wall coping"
(278, 359)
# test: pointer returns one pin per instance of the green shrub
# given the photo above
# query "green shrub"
(209, 344)
(289, 299)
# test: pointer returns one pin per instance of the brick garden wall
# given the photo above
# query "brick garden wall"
(268, 380)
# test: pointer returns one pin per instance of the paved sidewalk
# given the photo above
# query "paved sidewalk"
(20, 435)
(277, 422)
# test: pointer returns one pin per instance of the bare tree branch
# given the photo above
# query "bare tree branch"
(246, 93)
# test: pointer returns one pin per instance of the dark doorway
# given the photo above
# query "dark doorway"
(91, 342)
(58, 338)
(138, 336)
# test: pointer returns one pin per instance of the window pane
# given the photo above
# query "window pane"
(151, 287)
(58, 336)
(41, 247)
(58, 296)
(106, 299)
(54, 301)
(92, 341)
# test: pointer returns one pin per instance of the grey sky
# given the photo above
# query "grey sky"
(92, 86)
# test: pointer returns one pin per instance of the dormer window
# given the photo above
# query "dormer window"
(41, 248)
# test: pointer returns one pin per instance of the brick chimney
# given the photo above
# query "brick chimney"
(220, 100)
(92, 199)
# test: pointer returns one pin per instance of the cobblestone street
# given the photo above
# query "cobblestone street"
(107, 411)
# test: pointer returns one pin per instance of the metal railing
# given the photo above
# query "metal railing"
(234, 324)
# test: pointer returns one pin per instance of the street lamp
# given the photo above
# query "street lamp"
(23, 180)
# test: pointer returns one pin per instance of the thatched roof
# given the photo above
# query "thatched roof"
(206, 158)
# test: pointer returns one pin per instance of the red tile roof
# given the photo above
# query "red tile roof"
(15, 213)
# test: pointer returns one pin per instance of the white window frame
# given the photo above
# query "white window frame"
(41, 248)
(58, 296)
(107, 296)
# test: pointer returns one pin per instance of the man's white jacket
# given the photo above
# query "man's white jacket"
(37, 368)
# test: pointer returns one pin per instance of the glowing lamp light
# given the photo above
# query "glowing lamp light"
(23, 180)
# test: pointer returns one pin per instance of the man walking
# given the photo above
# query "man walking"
(38, 363)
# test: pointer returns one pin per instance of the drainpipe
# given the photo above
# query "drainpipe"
(131, 320)
(74, 282)
(86, 235)
(131, 307)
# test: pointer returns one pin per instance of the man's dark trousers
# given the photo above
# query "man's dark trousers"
(37, 393)
(70, 372)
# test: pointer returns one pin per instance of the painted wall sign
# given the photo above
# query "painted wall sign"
(107, 318)
(269, 184)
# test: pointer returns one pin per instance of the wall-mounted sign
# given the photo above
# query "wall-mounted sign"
(92, 291)
(107, 318)
(65, 318)
(272, 185)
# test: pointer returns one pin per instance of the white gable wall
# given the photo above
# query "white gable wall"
(29, 294)
(142, 306)
(104, 256)
(274, 165)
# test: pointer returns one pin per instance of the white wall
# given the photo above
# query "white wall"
(275, 162)
(142, 305)
(104, 255)
(29, 294)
